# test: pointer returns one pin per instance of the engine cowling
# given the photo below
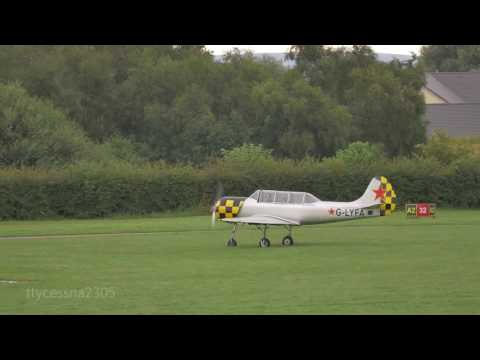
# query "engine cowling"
(228, 207)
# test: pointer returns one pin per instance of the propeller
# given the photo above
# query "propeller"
(218, 196)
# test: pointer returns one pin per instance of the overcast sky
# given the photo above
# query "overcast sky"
(391, 49)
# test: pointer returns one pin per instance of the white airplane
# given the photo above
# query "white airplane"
(265, 208)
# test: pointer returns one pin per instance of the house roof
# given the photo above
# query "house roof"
(457, 120)
(455, 87)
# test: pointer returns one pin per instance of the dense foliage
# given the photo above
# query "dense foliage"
(33, 132)
(87, 190)
(451, 57)
(97, 130)
(361, 153)
(176, 104)
(384, 100)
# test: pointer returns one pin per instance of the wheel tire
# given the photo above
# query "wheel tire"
(287, 241)
(232, 243)
(264, 243)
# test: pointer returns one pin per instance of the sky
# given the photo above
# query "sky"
(391, 49)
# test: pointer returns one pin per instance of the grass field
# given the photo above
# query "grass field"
(178, 265)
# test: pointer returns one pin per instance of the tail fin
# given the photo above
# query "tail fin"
(380, 192)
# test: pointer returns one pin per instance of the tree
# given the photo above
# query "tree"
(78, 79)
(331, 68)
(297, 119)
(384, 99)
(387, 108)
(451, 57)
(187, 132)
(175, 103)
(33, 132)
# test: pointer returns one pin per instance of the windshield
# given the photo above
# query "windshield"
(255, 195)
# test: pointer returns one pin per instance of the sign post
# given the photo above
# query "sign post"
(420, 210)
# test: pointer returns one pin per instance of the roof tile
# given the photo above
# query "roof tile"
(458, 120)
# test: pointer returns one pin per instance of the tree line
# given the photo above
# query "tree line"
(175, 103)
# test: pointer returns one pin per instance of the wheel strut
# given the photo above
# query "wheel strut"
(232, 242)
(288, 240)
(264, 242)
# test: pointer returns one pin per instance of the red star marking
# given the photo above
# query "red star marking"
(380, 193)
(331, 212)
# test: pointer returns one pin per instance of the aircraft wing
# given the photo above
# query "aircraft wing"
(261, 219)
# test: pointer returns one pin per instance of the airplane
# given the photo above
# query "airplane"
(266, 208)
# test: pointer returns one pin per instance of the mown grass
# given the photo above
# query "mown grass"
(180, 265)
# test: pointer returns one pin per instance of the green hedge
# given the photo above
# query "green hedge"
(84, 191)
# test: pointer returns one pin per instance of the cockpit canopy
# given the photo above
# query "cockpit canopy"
(283, 197)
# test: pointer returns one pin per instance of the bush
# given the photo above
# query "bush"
(447, 150)
(117, 148)
(87, 190)
(35, 133)
(247, 155)
(362, 153)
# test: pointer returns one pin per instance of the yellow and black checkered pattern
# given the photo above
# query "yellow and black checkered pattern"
(228, 207)
(389, 202)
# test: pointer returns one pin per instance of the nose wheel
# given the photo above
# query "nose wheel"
(264, 242)
(232, 243)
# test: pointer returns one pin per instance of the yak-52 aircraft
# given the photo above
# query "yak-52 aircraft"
(287, 208)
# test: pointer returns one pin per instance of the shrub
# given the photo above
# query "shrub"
(35, 133)
(446, 149)
(87, 190)
(247, 154)
(361, 153)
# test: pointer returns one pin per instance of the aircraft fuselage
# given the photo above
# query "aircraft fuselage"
(308, 214)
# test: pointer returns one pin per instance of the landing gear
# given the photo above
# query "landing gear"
(287, 241)
(232, 242)
(264, 243)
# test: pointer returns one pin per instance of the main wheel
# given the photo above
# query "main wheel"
(264, 243)
(287, 241)
(232, 242)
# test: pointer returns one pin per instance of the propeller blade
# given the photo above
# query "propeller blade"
(218, 196)
(213, 218)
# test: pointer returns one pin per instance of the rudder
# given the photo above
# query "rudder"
(380, 191)
(389, 202)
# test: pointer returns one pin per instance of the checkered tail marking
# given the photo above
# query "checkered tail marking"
(389, 202)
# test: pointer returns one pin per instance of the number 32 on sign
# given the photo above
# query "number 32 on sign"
(420, 210)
